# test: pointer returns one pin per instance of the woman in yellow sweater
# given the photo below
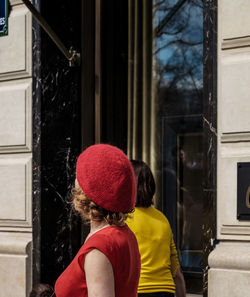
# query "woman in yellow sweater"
(161, 275)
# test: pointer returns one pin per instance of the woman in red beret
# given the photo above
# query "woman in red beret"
(108, 263)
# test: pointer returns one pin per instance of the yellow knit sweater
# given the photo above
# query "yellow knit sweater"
(159, 259)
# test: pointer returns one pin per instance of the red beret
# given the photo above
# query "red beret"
(105, 175)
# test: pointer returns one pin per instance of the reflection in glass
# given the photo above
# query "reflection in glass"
(178, 90)
(177, 55)
(190, 191)
(189, 203)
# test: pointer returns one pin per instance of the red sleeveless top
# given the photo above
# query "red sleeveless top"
(119, 245)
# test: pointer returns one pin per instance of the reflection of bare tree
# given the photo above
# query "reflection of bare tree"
(161, 6)
(178, 44)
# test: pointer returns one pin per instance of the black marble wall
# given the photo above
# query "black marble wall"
(36, 94)
(210, 133)
(56, 140)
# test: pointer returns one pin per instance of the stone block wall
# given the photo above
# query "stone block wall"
(16, 154)
(229, 273)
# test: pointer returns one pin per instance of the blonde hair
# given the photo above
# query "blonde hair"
(89, 210)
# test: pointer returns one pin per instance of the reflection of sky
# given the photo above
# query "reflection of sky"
(178, 50)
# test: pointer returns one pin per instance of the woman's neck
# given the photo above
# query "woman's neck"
(96, 226)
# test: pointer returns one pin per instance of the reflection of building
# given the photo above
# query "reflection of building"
(151, 92)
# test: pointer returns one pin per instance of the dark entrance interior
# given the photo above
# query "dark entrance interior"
(73, 108)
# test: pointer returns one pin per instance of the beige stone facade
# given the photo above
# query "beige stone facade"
(16, 154)
(229, 273)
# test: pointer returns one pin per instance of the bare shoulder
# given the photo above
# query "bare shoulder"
(97, 262)
(96, 256)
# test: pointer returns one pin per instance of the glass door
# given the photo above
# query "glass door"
(178, 95)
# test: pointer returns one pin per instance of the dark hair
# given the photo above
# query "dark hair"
(42, 290)
(145, 183)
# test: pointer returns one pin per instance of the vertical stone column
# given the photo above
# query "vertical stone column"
(229, 273)
(16, 154)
